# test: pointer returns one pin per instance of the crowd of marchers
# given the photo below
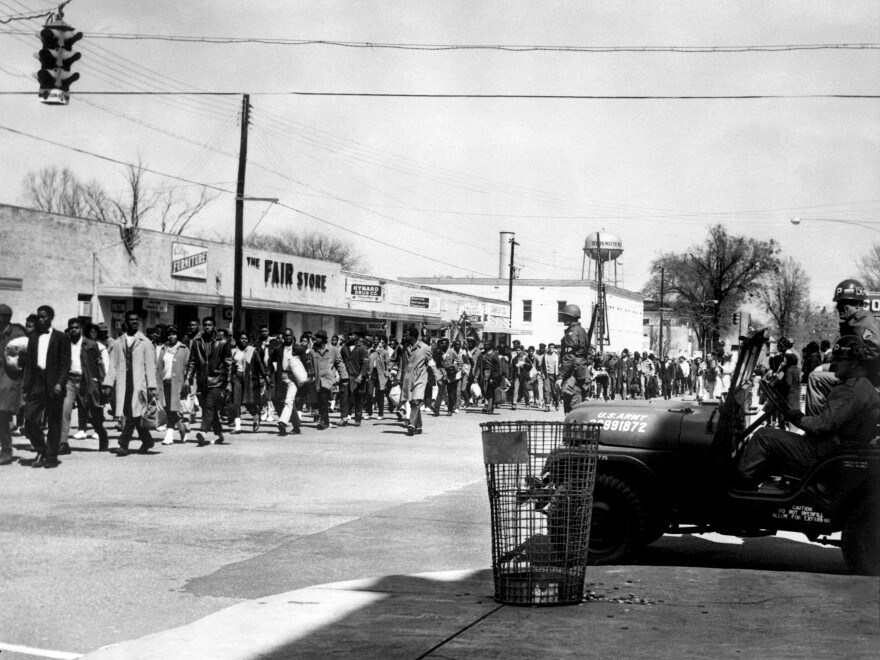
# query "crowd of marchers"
(163, 380)
(195, 384)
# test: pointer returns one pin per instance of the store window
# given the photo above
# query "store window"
(560, 305)
(527, 311)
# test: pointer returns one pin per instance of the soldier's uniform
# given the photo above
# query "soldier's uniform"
(574, 357)
(850, 415)
(864, 325)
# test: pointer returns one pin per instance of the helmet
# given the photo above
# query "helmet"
(850, 290)
(850, 347)
(572, 311)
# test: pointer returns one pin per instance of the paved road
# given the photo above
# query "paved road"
(105, 549)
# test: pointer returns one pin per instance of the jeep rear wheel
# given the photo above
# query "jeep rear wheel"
(617, 524)
(861, 537)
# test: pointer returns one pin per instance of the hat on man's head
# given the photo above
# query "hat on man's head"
(5, 310)
(321, 333)
(542, 345)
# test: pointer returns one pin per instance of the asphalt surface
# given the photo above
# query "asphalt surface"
(106, 550)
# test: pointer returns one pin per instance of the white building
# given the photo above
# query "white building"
(536, 305)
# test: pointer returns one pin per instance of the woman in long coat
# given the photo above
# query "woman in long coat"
(248, 380)
(170, 372)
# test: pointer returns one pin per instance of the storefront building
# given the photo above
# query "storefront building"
(96, 271)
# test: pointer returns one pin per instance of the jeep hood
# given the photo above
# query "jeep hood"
(651, 425)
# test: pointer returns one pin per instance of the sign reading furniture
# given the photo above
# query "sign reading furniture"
(189, 261)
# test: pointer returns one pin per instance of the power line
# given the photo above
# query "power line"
(429, 95)
(516, 48)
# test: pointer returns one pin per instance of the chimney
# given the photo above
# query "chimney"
(504, 255)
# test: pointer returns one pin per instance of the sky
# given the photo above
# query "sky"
(423, 186)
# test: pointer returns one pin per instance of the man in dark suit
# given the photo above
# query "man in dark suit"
(44, 386)
(357, 364)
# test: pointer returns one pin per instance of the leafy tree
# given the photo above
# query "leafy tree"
(709, 281)
(785, 296)
(869, 268)
(816, 324)
(312, 245)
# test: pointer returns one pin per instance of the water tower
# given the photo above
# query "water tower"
(602, 247)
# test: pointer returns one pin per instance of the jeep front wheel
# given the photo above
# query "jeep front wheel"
(617, 524)
(861, 537)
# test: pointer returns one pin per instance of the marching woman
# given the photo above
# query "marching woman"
(170, 370)
(248, 380)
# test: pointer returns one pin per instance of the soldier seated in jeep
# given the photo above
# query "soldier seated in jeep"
(849, 417)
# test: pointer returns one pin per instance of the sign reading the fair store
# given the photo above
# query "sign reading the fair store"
(367, 291)
(291, 279)
(189, 261)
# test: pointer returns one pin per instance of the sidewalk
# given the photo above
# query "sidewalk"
(633, 612)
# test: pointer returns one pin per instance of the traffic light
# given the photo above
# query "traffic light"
(56, 57)
(736, 317)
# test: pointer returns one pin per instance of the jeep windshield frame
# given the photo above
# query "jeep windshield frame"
(731, 429)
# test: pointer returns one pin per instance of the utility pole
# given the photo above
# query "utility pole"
(513, 245)
(662, 282)
(237, 313)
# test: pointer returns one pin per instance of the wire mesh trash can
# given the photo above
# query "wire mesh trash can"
(540, 477)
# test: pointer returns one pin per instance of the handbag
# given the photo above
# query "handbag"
(187, 406)
(394, 395)
(297, 371)
(150, 416)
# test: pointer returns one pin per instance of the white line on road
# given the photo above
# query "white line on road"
(40, 653)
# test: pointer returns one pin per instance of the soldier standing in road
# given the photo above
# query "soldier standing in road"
(573, 359)
(10, 380)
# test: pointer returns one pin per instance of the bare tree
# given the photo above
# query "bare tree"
(54, 191)
(708, 282)
(59, 191)
(869, 268)
(312, 245)
(175, 212)
(785, 296)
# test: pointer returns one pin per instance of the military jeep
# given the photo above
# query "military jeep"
(668, 469)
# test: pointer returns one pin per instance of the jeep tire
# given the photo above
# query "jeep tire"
(617, 526)
(861, 536)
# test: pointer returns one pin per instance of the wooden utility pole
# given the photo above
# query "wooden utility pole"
(513, 245)
(237, 312)
(662, 276)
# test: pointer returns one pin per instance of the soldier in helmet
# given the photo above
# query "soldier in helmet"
(849, 298)
(850, 416)
(574, 359)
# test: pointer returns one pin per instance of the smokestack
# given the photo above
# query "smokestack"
(504, 255)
